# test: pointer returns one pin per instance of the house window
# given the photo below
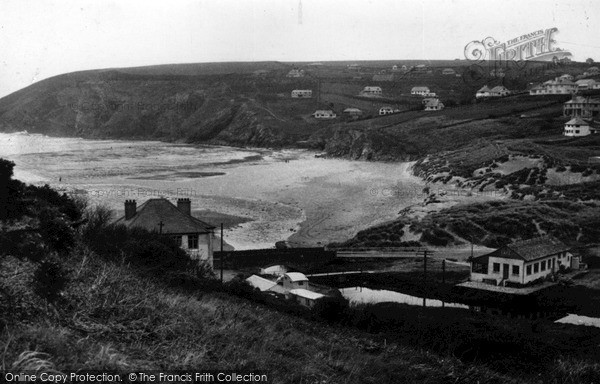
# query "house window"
(301, 283)
(536, 268)
(496, 267)
(543, 265)
(529, 270)
(577, 131)
(193, 241)
(515, 270)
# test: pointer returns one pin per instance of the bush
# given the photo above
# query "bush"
(330, 309)
(49, 280)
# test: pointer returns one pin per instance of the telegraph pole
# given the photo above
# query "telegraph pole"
(222, 254)
(424, 273)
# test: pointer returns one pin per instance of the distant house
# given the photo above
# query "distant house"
(421, 91)
(485, 91)
(353, 112)
(580, 106)
(448, 71)
(294, 280)
(576, 127)
(434, 105)
(499, 91)
(324, 114)
(266, 285)
(421, 68)
(386, 111)
(383, 77)
(163, 217)
(586, 84)
(302, 93)
(566, 76)
(371, 91)
(557, 86)
(523, 262)
(295, 73)
(395, 68)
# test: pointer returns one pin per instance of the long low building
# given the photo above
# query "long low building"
(523, 262)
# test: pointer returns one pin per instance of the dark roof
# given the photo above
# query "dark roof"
(528, 250)
(155, 211)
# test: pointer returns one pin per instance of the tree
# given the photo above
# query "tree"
(590, 61)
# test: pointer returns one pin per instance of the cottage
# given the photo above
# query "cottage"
(421, 91)
(499, 91)
(371, 91)
(295, 73)
(324, 114)
(558, 86)
(160, 215)
(485, 91)
(576, 127)
(354, 113)
(386, 111)
(305, 297)
(580, 106)
(566, 76)
(294, 280)
(434, 105)
(266, 285)
(586, 84)
(448, 71)
(301, 93)
(522, 262)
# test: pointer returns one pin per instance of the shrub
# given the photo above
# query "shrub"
(49, 280)
(330, 309)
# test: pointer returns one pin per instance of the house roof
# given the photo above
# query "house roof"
(499, 88)
(296, 276)
(577, 121)
(371, 88)
(260, 283)
(420, 89)
(352, 110)
(581, 99)
(306, 294)
(155, 211)
(324, 111)
(433, 103)
(485, 88)
(386, 109)
(585, 81)
(528, 250)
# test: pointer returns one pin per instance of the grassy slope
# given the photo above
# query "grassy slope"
(112, 319)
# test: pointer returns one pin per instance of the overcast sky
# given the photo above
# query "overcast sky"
(43, 38)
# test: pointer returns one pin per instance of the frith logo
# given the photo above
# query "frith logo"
(538, 45)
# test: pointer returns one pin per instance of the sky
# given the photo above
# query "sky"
(44, 38)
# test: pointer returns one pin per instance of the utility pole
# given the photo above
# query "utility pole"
(222, 254)
(160, 226)
(444, 271)
(424, 273)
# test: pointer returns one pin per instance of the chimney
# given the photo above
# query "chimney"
(185, 206)
(130, 209)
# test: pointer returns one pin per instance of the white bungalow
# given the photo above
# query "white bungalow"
(353, 112)
(294, 280)
(302, 93)
(499, 91)
(576, 127)
(523, 262)
(386, 111)
(485, 91)
(434, 105)
(421, 91)
(371, 91)
(324, 114)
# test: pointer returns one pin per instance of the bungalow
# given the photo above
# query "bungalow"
(302, 93)
(499, 91)
(434, 105)
(421, 91)
(371, 91)
(294, 280)
(448, 71)
(160, 215)
(580, 106)
(576, 127)
(324, 114)
(566, 76)
(559, 86)
(483, 92)
(585, 84)
(523, 262)
(386, 111)
(295, 73)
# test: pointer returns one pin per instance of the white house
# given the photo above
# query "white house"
(294, 280)
(421, 91)
(353, 112)
(371, 91)
(566, 76)
(576, 127)
(485, 91)
(163, 217)
(301, 93)
(434, 105)
(522, 262)
(585, 84)
(295, 73)
(305, 297)
(499, 91)
(324, 114)
(386, 111)
(557, 86)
